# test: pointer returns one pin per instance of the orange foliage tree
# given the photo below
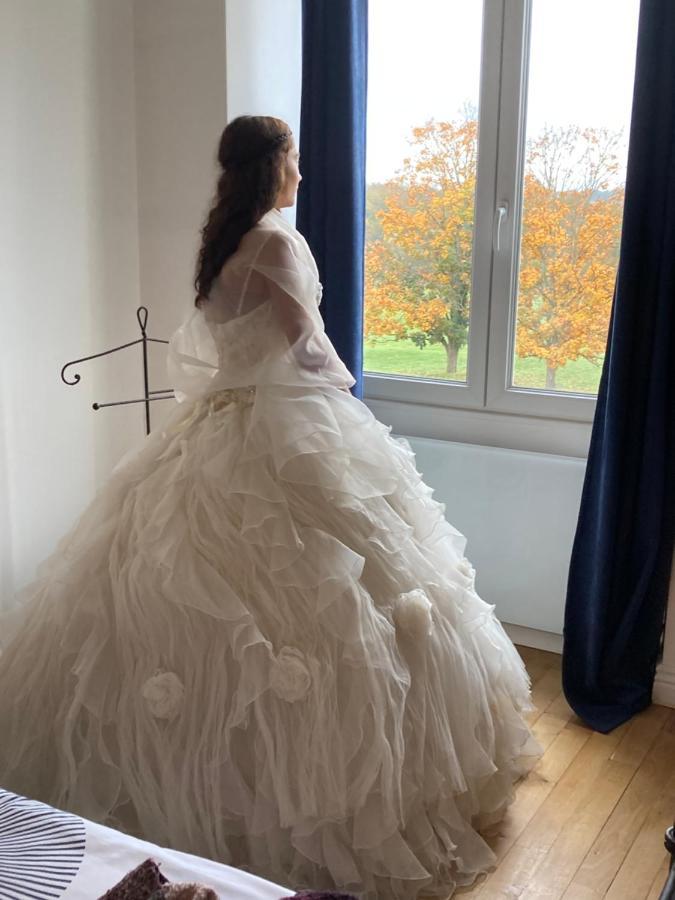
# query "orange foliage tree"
(569, 246)
(418, 253)
(419, 244)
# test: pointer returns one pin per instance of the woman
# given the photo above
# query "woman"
(262, 642)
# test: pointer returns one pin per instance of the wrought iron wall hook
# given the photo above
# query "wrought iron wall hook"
(148, 395)
(142, 316)
(74, 362)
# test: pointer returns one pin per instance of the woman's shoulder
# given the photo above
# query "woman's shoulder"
(266, 231)
(274, 228)
(273, 241)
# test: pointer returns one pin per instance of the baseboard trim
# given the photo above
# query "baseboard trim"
(534, 637)
(664, 687)
(664, 683)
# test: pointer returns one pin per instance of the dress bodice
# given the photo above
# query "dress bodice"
(261, 324)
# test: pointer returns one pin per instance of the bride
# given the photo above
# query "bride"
(262, 642)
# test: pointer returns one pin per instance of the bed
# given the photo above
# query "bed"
(47, 854)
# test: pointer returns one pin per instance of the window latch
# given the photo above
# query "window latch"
(501, 213)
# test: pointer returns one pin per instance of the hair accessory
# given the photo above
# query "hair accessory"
(269, 147)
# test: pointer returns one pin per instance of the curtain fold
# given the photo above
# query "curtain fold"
(331, 202)
(619, 572)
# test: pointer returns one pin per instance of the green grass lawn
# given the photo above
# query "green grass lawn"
(392, 357)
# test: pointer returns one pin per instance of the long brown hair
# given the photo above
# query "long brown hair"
(251, 154)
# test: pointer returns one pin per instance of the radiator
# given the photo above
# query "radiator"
(518, 511)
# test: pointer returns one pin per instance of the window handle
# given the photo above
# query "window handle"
(501, 213)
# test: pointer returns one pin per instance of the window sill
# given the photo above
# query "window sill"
(513, 431)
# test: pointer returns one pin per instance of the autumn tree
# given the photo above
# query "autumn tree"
(569, 246)
(418, 255)
(420, 231)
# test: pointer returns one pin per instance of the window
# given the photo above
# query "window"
(496, 158)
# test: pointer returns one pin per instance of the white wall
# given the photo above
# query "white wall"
(264, 61)
(110, 112)
(114, 203)
(180, 114)
(6, 554)
(65, 88)
(664, 685)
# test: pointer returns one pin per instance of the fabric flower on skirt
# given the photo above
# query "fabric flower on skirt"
(164, 694)
(412, 614)
(290, 677)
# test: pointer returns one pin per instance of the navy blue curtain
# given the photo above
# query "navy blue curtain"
(618, 580)
(331, 202)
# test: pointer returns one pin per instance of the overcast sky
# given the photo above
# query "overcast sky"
(424, 62)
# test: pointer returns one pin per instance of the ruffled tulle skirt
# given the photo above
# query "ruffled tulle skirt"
(262, 644)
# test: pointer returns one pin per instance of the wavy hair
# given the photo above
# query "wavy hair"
(251, 154)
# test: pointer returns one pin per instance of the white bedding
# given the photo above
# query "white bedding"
(47, 854)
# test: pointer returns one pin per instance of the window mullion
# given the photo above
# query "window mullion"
(493, 28)
(512, 107)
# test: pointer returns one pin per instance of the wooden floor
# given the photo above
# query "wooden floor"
(588, 822)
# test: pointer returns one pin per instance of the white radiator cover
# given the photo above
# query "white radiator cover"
(518, 511)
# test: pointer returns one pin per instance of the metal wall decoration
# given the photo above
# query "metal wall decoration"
(148, 395)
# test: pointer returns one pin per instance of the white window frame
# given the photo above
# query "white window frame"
(501, 146)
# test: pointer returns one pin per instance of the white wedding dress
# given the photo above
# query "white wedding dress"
(261, 643)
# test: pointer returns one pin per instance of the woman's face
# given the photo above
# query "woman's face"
(292, 178)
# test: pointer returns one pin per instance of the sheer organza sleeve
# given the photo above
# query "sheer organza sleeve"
(294, 292)
(260, 326)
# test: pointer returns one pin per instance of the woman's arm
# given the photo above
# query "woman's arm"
(290, 288)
